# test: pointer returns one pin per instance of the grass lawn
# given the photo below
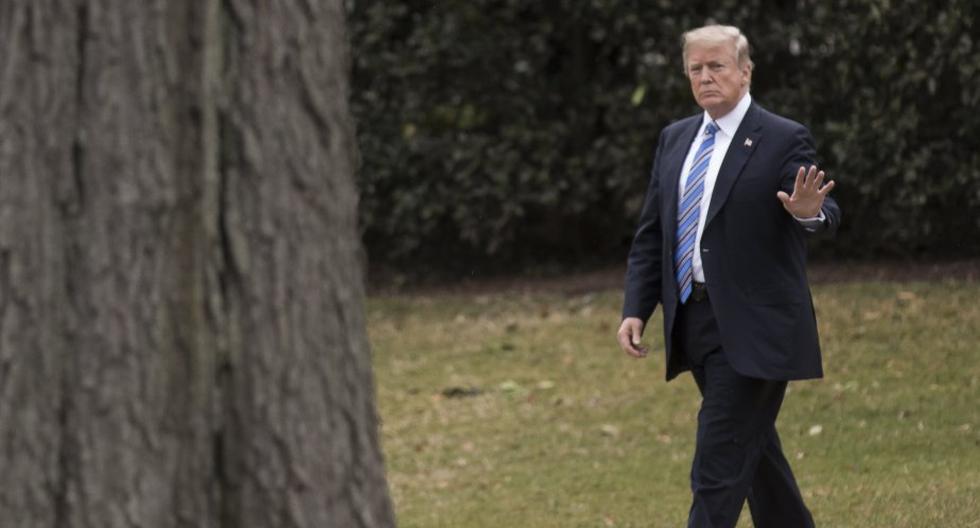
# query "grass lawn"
(519, 410)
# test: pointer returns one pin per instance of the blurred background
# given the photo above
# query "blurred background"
(503, 135)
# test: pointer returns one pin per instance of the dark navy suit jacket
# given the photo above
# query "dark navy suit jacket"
(753, 252)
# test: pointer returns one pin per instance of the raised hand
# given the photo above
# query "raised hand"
(808, 193)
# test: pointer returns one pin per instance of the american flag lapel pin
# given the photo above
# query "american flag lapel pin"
(748, 142)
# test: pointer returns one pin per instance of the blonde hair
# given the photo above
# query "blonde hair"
(717, 34)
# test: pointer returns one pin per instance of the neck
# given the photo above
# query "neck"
(718, 113)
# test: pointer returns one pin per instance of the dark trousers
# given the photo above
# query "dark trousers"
(738, 455)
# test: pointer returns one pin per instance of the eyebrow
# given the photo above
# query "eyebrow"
(708, 63)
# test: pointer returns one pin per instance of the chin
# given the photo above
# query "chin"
(709, 106)
(715, 107)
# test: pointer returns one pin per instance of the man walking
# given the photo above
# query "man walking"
(721, 246)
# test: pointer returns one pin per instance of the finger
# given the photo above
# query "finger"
(625, 341)
(636, 328)
(626, 337)
(632, 328)
(826, 188)
(630, 331)
(783, 197)
(818, 180)
(627, 346)
(798, 184)
(811, 176)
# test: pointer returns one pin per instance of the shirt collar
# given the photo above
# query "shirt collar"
(729, 122)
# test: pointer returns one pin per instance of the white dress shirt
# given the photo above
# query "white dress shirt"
(727, 126)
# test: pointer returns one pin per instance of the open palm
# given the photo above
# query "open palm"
(809, 192)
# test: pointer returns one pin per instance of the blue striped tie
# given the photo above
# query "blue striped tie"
(689, 213)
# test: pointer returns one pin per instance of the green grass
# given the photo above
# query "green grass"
(567, 431)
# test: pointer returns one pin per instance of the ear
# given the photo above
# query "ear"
(746, 74)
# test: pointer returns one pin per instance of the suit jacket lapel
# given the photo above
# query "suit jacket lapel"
(739, 151)
(672, 175)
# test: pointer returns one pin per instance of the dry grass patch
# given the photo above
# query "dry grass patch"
(518, 410)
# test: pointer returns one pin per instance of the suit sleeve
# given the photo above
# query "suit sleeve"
(644, 264)
(801, 152)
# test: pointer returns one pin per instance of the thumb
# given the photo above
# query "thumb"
(637, 333)
(783, 197)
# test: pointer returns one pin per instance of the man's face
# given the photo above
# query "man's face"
(716, 79)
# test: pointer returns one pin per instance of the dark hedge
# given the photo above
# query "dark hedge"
(495, 133)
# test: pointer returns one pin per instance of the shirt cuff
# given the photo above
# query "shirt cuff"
(813, 223)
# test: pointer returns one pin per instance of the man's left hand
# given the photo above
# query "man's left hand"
(808, 193)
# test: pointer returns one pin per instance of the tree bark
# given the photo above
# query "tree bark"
(181, 325)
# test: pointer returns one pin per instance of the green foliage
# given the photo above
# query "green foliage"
(497, 131)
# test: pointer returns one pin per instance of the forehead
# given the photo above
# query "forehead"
(699, 53)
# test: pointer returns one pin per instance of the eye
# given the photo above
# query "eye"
(694, 70)
(717, 67)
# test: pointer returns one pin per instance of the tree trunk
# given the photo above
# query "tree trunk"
(182, 340)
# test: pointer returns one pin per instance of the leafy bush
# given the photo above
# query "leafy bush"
(496, 132)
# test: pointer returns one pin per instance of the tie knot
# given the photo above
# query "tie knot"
(710, 129)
